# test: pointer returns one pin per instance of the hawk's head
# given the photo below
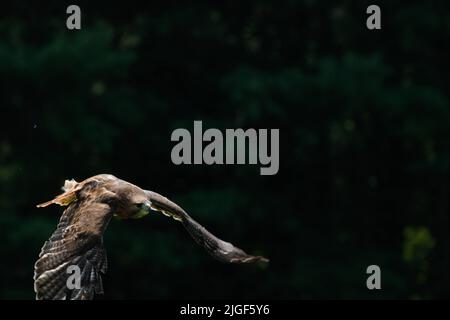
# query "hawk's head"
(132, 201)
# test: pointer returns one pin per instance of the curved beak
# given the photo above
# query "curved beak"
(144, 210)
(147, 205)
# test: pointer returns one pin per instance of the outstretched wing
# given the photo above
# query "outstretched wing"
(219, 249)
(75, 248)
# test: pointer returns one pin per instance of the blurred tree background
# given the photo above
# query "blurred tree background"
(364, 121)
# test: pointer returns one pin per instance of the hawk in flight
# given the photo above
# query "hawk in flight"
(78, 238)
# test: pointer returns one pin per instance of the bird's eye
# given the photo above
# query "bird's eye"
(138, 205)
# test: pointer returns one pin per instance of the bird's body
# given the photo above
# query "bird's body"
(78, 238)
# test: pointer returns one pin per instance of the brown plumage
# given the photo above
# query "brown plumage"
(78, 238)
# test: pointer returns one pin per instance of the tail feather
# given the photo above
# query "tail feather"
(70, 188)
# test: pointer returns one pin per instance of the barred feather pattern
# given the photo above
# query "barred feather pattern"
(73, 244)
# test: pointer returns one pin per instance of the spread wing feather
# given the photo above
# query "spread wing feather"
(75, 242)
(219, 249)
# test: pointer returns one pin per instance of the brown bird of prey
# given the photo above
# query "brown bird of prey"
(78, 238)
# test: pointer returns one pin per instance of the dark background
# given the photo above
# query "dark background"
(364, 121)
